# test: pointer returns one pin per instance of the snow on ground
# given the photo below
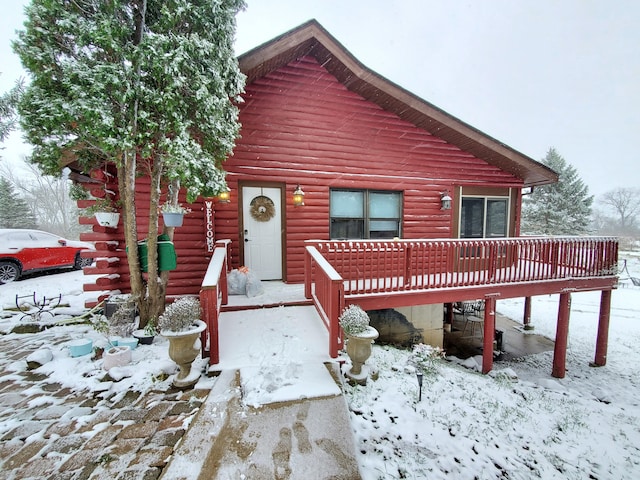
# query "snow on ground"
(517, 423)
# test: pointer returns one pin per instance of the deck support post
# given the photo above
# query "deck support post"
(562, 333)
(526, 321)
(488, 334)
(603, 329)
(449, 314)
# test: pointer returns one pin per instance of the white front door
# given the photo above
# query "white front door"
(262, 235)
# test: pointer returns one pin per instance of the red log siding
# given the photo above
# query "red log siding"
(189, 242)
(300, 125)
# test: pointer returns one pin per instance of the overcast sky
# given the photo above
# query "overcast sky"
(533, 74)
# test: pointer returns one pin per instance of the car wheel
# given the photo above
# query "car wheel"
(78, 262)
(9, 272)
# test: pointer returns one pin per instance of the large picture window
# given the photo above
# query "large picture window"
(484, 217)
(358, 214)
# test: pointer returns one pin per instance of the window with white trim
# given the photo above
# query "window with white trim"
(360, 214)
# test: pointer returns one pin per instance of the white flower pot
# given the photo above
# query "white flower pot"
(116, 357)
(172, 219)
(108, 219)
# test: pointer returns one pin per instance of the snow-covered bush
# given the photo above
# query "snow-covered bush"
(354, 320)
(120, 324)
(180, 315)
(425, 357)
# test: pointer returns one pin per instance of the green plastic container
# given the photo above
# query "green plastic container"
(167, 258)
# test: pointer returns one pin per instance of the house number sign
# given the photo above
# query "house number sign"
(208, 223)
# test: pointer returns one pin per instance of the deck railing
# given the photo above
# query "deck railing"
(214, 294)
(372, 267)
(337, 272)
(325, 287)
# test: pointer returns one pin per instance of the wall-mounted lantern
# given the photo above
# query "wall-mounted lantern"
(445, 200)
(224, 196)
(298, 197)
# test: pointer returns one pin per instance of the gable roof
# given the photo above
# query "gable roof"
(312, 39)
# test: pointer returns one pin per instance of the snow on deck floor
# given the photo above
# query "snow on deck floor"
(279, 351)
(274, 293)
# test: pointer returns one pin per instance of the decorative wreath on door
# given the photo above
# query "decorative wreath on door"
(262, 209)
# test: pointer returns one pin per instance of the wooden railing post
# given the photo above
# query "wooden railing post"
(308, 276)
(336, 305)
(408, 265)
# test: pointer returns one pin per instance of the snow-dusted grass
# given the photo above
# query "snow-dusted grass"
(517, 423)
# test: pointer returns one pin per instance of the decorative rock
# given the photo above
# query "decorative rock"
(602, 395)
(118, 373)
(27, 328)
(39, 358)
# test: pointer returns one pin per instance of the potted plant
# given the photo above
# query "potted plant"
(146, 335)
(106, 212)
(181, 325)
(173, 214)
(119, 324)
(354, 322)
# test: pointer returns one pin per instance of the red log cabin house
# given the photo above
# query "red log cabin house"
(404, 205)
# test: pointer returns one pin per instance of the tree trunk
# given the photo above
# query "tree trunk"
(156, 287)
(146, 293)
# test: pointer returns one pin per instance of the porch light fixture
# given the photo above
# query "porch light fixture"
(419, 375)
(445, 200)
(298, 197)
(224, 196)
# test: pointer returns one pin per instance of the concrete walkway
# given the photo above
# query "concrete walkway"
(305, 439)
(516, 342)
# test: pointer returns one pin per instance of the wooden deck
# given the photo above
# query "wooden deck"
(401, 273)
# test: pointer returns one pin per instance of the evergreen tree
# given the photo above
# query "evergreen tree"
(14, 211)
(563, 208)
(146, 84)
(8, 102)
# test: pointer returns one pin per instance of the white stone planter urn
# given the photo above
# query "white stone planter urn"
(184, 347)
(359, 347)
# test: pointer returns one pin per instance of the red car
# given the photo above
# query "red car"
(27, 251)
